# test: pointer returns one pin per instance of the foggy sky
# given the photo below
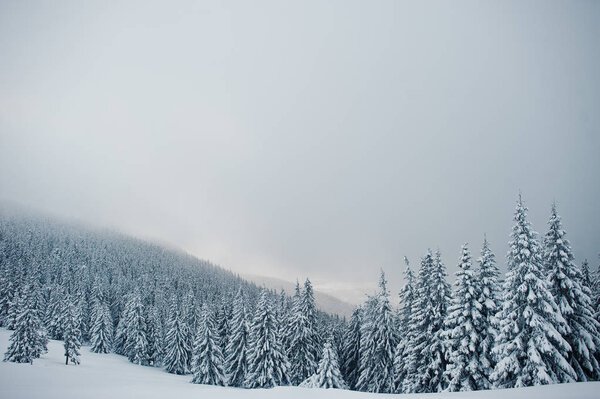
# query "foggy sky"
(307, 138)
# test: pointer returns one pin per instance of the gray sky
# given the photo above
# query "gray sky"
(325, 138)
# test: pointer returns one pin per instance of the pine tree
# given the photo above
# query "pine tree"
(28, 341)
(351, 349)
(136, 343)
(490, 292)
(573, 300)
(268, 364)
(207, 361)
(464, 325)
(236, 351)
(421, 317)
(177, 351)
(71, 332)
(405, 328)
(303, 352)
(380, 340)
(328, 373)
(433, 369)
(586, 275)
(530, 347)
(154, 336)
(102, 328)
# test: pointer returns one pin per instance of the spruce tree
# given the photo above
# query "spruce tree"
(154, 335)
(328, 373)
(237, 346)
(177, 351)
(380, 340)
(573, 300)
(351, 349)
(102, 328)
(28, 341)
(71, 332)
(136, 343)
(405, 328)
(490, 292)
(464, 325)
(268, 365)
(530, 347)
(207, 361)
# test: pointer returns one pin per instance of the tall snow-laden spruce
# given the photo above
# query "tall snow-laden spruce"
(379, 343)
(101, 333)
(408, 297)
(490, 292)
(573, 300)
(267, 363)
(207, 361)
(530, 346)
(237, 347)
(464, 325)
(154, 335)
(351, 349)
(28, 341)
(71, 332)
(435, 353)
(328, 373)
(136, 343)
(177, 351)
(421, 317)
(303, 350)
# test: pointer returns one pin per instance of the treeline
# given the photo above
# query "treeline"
(540, 325)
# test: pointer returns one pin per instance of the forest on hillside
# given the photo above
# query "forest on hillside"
(537, 325)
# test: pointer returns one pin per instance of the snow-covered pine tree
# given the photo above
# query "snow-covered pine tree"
(530, 347)
(328, 373)
(435, 352)
(303, 351)
(421, 318)
(53, 319)
(267, 363)
(405, 328)
(490, 292)
(177, 351)
(289, 329)
(573, 300)
(136, 343)
(464, 325)
(351, 349)
(28, 341)
(101, 333)
(207, 361)
(237, 346)
(154, 335)
(586, 275)
(222, 324)
(71, 332)
(380, 340)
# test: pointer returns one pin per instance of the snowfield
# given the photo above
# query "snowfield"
(112, 376)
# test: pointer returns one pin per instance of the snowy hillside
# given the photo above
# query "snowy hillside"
(112, 376)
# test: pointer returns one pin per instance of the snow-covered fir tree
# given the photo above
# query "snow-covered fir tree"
(405, 328)
(71, 332)
(154, 336)
(267, 362)
(28, 341)
(177, 351)
(379, 340)
(464, 325)
(303, 341)
(136, 343)
(490, 292)
(328, 373)
(101, 333)
(207, 361)
(351, 349)
(237, 346)
(421, 318)
(586, 275)
(530, 346)
(573, 300)
(432, 371)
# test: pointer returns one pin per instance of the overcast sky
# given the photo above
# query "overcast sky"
(324, 139)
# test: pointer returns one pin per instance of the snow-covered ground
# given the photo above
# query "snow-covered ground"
(112, 376)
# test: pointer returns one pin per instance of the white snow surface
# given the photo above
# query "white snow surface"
(113, 376)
